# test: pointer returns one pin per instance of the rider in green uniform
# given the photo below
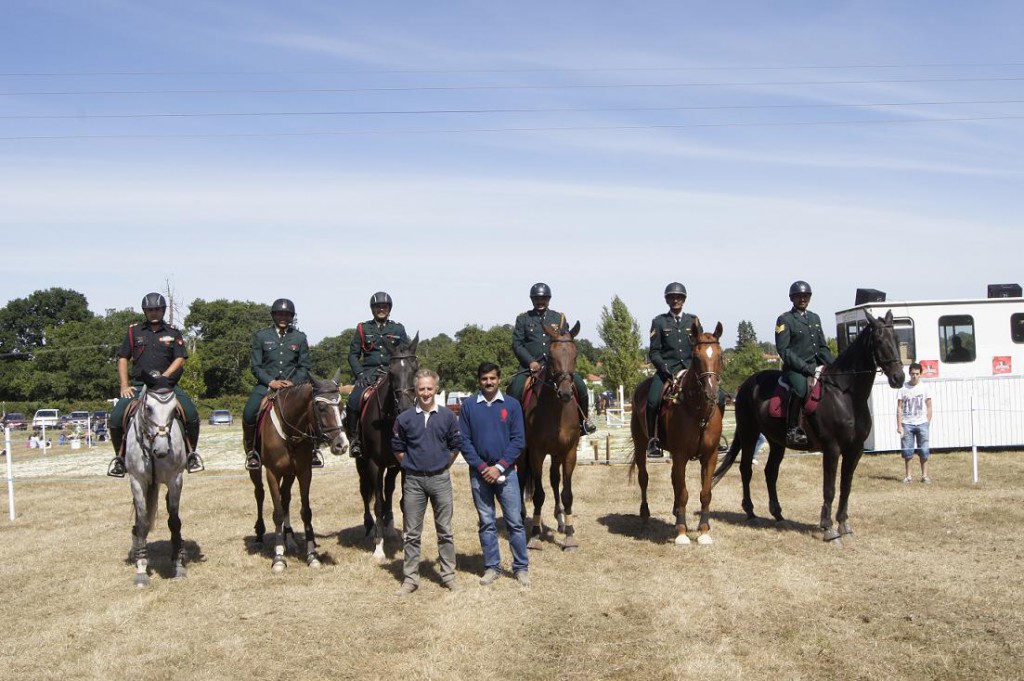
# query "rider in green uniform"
(530, 345)
(801, 343)
(671, 352)
(280, 359)
(368, 356)
(157, 354)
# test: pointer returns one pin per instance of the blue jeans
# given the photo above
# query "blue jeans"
(910, 432)
(511, 500)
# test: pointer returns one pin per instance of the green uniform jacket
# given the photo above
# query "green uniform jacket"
(801, 343)
(529, 341)
(670, 343)
(276, 357)
(371, 344)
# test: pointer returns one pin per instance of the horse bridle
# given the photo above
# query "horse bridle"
(556, 377)
(320, 433)
(397, 393)
(706, 376)
(162, 429)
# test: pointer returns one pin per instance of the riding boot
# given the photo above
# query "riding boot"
(318, 461)
(116, 468)
(795, 436)
(252, 457)
(354, 446)
(194, 462)
(587, 426)
(653, 444)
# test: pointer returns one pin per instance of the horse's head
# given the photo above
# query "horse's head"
(562, 360)
(155, 422)
(402, 368)
(706, 364)
(327, 412)
(885, 349)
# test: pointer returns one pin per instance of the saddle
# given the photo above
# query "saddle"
(669, 390)
(778, 400)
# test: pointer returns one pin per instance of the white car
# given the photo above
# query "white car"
(49, 418)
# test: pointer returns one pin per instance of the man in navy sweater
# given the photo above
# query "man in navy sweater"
(492, 440)
(425, 441)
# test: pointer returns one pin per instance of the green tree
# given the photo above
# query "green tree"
(746, 336)
(223, 331)
(331, 354)
(746, 359)
(623, 356)
(192, 378)
(24, 321)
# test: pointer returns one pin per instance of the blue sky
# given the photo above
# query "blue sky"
(455, 153)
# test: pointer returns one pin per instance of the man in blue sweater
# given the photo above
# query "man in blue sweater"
(492, 440)
(425, 441)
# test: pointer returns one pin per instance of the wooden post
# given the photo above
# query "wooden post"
(608, 448)
(595, 444)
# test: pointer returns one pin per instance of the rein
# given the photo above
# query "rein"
(145, 426)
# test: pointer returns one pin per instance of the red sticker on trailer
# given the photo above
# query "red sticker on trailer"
(929, 368)
(1002, 365)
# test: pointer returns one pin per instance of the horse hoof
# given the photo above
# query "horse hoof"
(279, 566)
(180, 573)
(534, 544)
(845, 530)
(314, 563)
(570, 542)
(141, 580)
(705, 540)
(832, 537)
(682, 540)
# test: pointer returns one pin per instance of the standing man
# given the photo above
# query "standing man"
(157, 351)
(368, 357)
(492, 440)
(530, 344)
(426, 441)
(800, 342)
(670, 353)
(279, 358)
(913, 421)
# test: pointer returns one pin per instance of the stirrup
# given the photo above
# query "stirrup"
(116, 468)
(796, 438)
(587, 427)
(252, 461)
(194, 463)
(318, 461)
(654, 449)
(354, 448)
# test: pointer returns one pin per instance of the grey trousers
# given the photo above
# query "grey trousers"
(416, 491)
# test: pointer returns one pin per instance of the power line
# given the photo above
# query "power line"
(396, 112)
(467, 88)
(398, 131)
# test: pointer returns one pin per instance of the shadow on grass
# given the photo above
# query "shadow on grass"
(161, 562)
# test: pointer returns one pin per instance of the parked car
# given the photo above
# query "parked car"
(78, 418)
(455, 401)
(221, 417)
(49, 418)
(15, 421)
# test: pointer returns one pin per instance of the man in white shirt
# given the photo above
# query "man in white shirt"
(913, 417)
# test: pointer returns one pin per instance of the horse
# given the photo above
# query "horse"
(838, 427)
(551, 417)
(377, 466)
(296, 420)
(155, 455)
(692, 429)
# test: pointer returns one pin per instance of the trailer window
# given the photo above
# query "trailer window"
(847, 332)
(904, 329)
(1017, 327)
(956, 338)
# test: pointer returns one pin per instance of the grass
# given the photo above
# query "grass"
(929, 588)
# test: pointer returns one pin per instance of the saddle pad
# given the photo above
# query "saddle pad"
(777, 403)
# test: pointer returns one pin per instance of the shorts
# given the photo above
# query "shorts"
(918, 431)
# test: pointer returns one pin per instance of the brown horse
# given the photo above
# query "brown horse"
(692, 428)
(552, 425)
(297, 419)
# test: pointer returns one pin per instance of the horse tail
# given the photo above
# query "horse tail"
(726, 463)
(526, 475)
(741, 403)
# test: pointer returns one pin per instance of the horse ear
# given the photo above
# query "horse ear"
(336, 376)
(575, 329)
(696, 329)
(888, 318)
(871, 320)
(718, 330)
(415, 342)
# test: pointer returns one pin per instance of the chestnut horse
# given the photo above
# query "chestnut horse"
(692, 428)
(298, 419)
(377, 465)
(551, 417)
(838, 427)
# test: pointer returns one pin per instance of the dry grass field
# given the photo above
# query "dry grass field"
(929, 589)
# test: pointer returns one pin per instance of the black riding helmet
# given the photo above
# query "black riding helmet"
(381, 298)
(799, 287)
(540, 290)
(283, 305)
(675, 289)
(153, 301)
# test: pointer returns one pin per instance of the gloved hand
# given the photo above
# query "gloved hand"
(161, 382)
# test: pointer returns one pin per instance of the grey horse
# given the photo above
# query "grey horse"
(155, 455)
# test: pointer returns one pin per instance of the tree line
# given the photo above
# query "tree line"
(68, 352)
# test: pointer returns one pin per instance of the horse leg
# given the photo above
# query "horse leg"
(642, 478)
(260, 493)
(140, 531)
(378, 514)
(173, 500)
(681, 497)
(286, 505)
(365, 491)
(571, 543)
(306, 512)
(390, 474)
(829, 463)
(537, 529)
(279, 563)
(850, 461)
(776, 453)
(707, 472)
(555, 477)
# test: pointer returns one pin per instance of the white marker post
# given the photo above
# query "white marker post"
(10, 471)
(974, 441)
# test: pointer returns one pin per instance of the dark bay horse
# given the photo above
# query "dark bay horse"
(377, 465)
(837, 428)
(692, 428)
(154, 456)
(551, 417)
(298, 419)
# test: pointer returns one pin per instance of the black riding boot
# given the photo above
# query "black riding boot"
(795, 436)
(318, 461)
(653, 444)
(194, 462)
(116, 468)
(252, 457)
(352, 431)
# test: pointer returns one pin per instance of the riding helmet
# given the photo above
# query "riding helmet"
(381, 298)
(675, 289)
(153, 301)
(283, 305)
(799, 287)
(540, 290)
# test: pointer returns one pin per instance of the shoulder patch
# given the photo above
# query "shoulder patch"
(780, 328)
(653, 333)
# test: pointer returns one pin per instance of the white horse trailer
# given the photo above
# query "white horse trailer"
(972, 358)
